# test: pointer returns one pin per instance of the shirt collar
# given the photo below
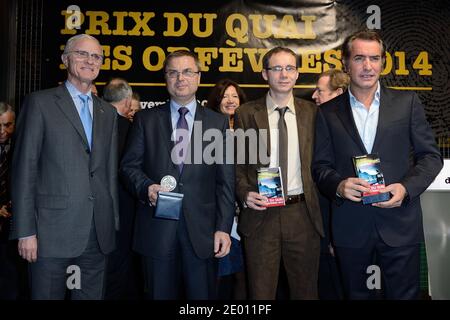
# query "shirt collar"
(272, 106)
(356, 102)
(74, 92)
(191, 106)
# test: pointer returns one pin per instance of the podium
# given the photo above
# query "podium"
(436, 224)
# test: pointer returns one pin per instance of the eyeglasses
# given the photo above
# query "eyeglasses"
(186, 73)
(84, 55)
(289, 69)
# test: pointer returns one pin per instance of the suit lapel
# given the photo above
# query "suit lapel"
(304, 139)
(165, 127)
(262, 122)
(65, 103)
(344, 113)
(199, 120)
(98, 130)
(383, 119)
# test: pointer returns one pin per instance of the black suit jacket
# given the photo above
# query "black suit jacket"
(58, 185)
(409, 155)
(123, 125)
(208, 203)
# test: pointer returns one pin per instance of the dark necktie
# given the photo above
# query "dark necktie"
(283, 147)
(182, 137)
(3, 174)
(86, 118)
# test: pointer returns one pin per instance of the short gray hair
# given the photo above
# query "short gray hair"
(117, 90)
(73, 40)
(4, 107)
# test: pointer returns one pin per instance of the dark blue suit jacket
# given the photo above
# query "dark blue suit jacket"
(409, 155)
(208, 203)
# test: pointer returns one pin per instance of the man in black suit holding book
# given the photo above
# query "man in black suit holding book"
(370, 118)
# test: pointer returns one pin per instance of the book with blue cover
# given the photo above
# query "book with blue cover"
(367, 167)
(270, 185)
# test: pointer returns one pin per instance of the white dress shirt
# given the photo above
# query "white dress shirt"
(294, 174)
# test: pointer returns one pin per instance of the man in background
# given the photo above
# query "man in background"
(330, 84)
(7, 125)
(10, 265)
(119, 93)
(122, 269)
(135, 105)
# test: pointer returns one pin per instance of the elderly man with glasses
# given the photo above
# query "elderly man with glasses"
(64, 174)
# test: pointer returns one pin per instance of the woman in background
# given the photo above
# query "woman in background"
(225, 98)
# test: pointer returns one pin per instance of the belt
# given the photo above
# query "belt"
(295, 198)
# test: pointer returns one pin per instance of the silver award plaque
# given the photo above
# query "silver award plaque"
(168, 183)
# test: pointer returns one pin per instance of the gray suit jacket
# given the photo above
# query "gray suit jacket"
(60, 186)
(253, 115)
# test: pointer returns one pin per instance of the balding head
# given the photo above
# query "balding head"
(118, 92)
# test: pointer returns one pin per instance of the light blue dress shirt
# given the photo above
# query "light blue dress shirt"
(175, 115)
(75, 94)
(366, 120)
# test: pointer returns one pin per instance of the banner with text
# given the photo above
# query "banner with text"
(231, 37)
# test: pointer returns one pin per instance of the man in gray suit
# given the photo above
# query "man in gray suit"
(64, 195)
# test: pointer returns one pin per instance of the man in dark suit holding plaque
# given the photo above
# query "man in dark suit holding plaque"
(180, 247)
(372, 119)
(64, 180)
(283, 127)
